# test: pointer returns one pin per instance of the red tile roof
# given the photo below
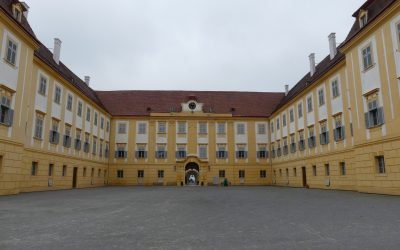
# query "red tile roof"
(142, 103)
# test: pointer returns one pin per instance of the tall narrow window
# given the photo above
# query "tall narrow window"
(51, 168)
(34, 169)
(327, 170)
(284, 120)
(291, 115)
(380, 163)
(324, 136)
(162, 127)
(339, 130)
(181, 127)
(367, 57)
(342, 166)
(79, 112)
(42, 85)
(335, 88)
(57, 95)
(300, 110)
(69, 102)
(96, 117)
(88, 114)
(64, 170)
(39, 126)
(309, 104)
(6, 113)
(203, 151)
(11, 52)
(321, 97)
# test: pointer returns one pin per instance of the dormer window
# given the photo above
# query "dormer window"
(363, 19)
(17, 13)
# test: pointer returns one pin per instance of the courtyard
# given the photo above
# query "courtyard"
(199, 218)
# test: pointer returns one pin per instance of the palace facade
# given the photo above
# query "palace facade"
(337, 128)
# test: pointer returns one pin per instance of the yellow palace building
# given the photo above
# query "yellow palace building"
(337, 128)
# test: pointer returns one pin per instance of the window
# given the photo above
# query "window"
(42, 85)
(279, 150)
(160, 174)
(84, 172)
(278, 124)
(181, 151)
(96, 117)
(88, 114)
(285, 147)
(101, 148)
(241, 152)
(221, 128)
(262, 151)
(64, 171)
(181, 127)
(121, 152)
(380, 163)
(321, 97)
(314, 170)
(67, 136)
(120, 174)
(202, 127)
(57, 95)
(203, 151)
(263, 174)
(339, 131)
(221, 174)
(141, 152)
(140, 174)
(102, 123)
(11, 52)
(284, 120)
(272, 127)
(302, 144)
(99, 173)
(17, 14)
(221, 151)
(293, 147)
(295, 172)
(242, 174)
(309, 104)
(261, 129)
(92, 173)
(162, 127)
(161, 153)
(121, 128)
(363, 19)
(78, 143)
(342, 166)
(375, 115)
(291, 115)
(241, 130)
(311, 137)
(335, 88)
(106, 151)
(6, 113)
(108, 126)
(300, 110)
(34, 169)
(324, 136)
(142, 128)
(94, 149)
(51, 168)
(86, 146)
(79, 112)
(287, 172)
(54, 137)
(280, 172)
(69, 102)
(327, 170)
(367, 57)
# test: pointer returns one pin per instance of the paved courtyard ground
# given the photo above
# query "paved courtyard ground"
(199, 218)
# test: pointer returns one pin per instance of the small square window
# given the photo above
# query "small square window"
(222, 174)
(120, 174)
(263, 174)
(140, 174)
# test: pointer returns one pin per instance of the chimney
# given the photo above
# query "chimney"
(312, 64)
(286, 90)
(26, 11)
(87, 80)
(332, 45)
(57, 50)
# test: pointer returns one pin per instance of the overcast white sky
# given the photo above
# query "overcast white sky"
(246, 45)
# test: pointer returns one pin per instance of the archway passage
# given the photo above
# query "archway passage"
(192, 174)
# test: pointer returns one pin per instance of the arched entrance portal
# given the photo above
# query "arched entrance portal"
(192, 171)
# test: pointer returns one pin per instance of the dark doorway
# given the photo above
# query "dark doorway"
(192, 174)
(304, 173)
(75, 178)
